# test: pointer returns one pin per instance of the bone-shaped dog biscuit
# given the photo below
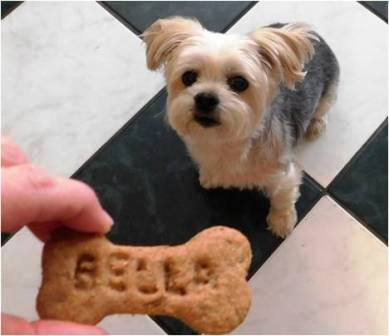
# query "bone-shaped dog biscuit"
(202, 282)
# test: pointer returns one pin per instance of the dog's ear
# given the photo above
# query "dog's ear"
(285, 50)
(164, 35)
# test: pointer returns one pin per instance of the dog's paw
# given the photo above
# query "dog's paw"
(206, 182)
(315, 129)
(282, 222)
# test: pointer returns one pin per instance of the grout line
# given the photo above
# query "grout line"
(325, 191)
(139, 33)
(239, 16)
(159, 321)
(359, 220)
(119, 17)
(328, 192)
(345, 170)
(373, 10)
(357, 154)
(120, 130)
(318, 187)
(314, 182)
(12, 6)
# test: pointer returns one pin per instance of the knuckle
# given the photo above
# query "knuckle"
(37, 178)
(11, 154)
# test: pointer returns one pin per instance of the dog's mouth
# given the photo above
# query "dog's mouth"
(205, 120)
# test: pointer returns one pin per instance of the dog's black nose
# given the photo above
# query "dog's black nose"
(206, 102)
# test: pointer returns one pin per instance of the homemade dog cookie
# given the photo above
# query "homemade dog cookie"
(202, 282)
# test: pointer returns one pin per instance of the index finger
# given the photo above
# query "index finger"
(11, 153)
(29, 195)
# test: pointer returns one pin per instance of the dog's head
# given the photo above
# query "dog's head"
(218, 84)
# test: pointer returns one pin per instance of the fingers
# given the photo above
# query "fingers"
(49, 327)
(44, 230)
(30, 195)
(11, 153)
(13, 325)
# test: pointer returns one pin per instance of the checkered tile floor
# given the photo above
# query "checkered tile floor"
(77, 96)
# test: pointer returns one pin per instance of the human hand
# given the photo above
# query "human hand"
(31, 197)
(13, 325)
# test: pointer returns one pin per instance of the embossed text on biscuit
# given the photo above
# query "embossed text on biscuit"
(202, 282)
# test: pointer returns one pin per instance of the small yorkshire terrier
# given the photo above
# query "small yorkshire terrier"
(242, 103)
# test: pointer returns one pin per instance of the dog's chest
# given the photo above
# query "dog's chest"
(229, 166)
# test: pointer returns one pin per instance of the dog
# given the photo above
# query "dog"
(241, 103)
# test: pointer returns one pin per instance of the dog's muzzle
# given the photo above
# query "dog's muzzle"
(205, 111)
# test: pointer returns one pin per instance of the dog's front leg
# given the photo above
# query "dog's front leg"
(283, 191)
(206, 180)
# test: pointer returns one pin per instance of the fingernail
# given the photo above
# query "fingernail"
(108, 221)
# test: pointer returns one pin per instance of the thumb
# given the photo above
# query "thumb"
(13, 325)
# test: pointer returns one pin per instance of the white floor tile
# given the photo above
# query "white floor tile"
(21, 274)
(130, 325)
(359, 39)
(21, 278)
(72, 75)
(328, 277)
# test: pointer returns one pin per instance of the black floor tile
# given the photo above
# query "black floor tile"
(5, 237)
(214, 15)
(362, 187)
(148, 183)
(8, 6)
(379, 8)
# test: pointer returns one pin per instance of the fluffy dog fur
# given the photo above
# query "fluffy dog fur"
(292, 78)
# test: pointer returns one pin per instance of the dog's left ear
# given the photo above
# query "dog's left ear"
(164, 35)
(284, 51)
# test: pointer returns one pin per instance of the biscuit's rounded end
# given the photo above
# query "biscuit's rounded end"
(231, 243)
(223, 310)
(214, 300)
(58, 303)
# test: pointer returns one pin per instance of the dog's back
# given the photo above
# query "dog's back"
(295, 109)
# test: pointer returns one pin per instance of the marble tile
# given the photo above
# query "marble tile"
(8, 6)
(215, 15)
(72, 75)
(329, 277)
(130, 325)
(379, 8)
(21, 278)
(21, 274)
(149, 185)
(362, 187)
(68, 75)
(359, 39)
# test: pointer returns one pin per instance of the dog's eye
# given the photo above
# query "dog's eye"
(238, 83)
(189, 77)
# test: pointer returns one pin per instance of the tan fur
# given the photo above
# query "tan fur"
(285, 50)
(233, 154)
(164, 35)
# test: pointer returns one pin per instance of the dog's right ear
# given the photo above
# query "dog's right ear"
(164, 35)
(285, 50)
